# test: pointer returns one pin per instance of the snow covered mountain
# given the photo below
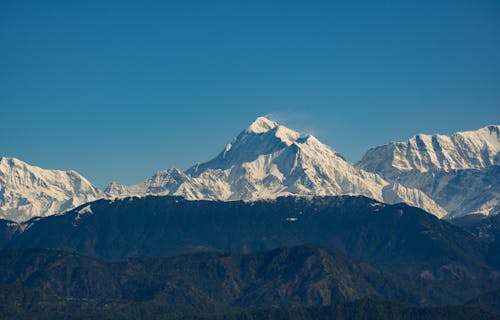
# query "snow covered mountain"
(463, 150)
(460, 172)
(27, 191)
(164, 182)
(446, 175)
(268, 160)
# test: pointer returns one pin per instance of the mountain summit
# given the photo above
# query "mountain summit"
(460, 172)
(423, 153)
(448, 176)
(27, 191)
(268, 160)
(261, 125)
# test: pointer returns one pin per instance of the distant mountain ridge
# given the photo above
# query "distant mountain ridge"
(307, 274)
(396, 238)
(268, 160)
(448, 176)
(299, 275)
(27, 191)
(302, 282)
(460, 172)
(463, 150)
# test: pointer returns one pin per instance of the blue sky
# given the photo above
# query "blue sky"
(120, 89)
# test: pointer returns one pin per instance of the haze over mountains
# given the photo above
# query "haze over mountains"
(446, 176)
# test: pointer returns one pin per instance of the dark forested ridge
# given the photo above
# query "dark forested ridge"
(396, 238)
(486, 229)
(356, 310)
(8, 230)
(290, 258)
(58, 282)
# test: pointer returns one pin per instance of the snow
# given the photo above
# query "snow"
(444, 175)
(463, 150)
(268, 160)
(28, 191)
(85, 210)
(460, 172)
(261, 125)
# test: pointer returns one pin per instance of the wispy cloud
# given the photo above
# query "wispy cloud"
(296, 120)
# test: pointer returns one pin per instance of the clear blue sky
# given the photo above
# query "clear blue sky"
(119, 89)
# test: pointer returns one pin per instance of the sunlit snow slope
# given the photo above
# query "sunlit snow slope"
(460, 172)
(27, 191)
(268, 160)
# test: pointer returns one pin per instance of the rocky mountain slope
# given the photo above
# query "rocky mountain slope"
(27, 191)
(460, 172)
(268, 160)
(463, 150)
(446, 176)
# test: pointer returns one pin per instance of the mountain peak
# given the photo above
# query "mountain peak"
(460, 170)
(288, 136)
(268, 160)
(11, 161)
(30, 191)
(310, 139)
(261, 125)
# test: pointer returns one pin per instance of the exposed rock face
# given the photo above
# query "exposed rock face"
(268, 160)
(27, 191)
(460, 172)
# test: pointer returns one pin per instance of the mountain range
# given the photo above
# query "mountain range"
(27, 191)
(395, 238)
(166, 257)
(302, 282)
(448, 176)
(276, 226)
(460, 172)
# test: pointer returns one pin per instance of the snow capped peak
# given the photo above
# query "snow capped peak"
(261, 125)
(28, 191)
(11, 162)
(268, 160)
(163, 182)
(263, 137)
(286, 135)
(115, 188)
(459, 171)
(311, 140)
(462, 150)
